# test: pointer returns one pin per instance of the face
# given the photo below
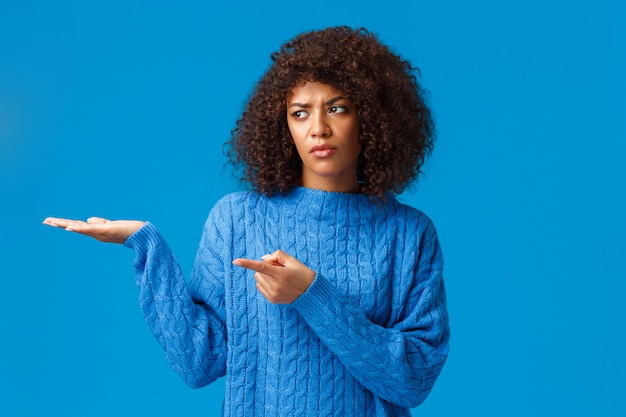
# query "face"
(325, 129)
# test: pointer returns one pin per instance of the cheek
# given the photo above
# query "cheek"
(298, 133)
(296, 140)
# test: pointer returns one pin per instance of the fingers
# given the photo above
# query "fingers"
(262, 285)
(258, 266)
(272, 264)
(99, 228)
(279, 277)
(278, 258)
(77, 226)
(63, 223)
(264, 272)
(91, 227)
(53, 221)
(73, 225)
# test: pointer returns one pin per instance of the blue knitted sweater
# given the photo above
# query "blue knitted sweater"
(368, 338)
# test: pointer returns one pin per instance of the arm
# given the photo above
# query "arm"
(399, 364)
(188, 321)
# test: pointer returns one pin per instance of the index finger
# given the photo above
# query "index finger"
(258, 266)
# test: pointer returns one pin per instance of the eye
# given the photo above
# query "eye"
(299, 114)
(338, 109)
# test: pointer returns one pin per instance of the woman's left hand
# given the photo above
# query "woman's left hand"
(279, 277)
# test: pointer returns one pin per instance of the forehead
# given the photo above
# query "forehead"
(312, 90)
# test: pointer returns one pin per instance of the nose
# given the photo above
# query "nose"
(320, 127)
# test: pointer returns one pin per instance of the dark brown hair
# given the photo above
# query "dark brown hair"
(397, 131)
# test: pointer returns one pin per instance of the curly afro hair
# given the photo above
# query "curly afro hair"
(396, 127)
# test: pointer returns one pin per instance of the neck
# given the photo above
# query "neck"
(350, 185)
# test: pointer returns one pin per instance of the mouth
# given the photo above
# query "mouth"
(323, 151)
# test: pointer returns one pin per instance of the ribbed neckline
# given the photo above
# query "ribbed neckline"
(335, 207)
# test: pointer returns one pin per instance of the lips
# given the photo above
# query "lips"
(323, 151)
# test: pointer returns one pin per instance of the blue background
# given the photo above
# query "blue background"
(120, 108)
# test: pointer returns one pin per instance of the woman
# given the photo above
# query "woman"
(344, 311)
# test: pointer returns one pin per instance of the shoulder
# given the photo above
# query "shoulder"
(235, 198)
(235, 202)
(418, 233)
(413, 218)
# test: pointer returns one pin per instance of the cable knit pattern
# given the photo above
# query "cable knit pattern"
(368, 338)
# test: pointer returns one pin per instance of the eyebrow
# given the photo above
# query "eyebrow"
(328, 103)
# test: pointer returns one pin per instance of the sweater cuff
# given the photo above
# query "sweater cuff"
(316, 299)
(144, 239)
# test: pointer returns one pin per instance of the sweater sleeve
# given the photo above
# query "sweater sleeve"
(400, 363)
(187, 321)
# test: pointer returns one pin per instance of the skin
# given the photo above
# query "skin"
(281, 278)
(112, 231)
(324, 126)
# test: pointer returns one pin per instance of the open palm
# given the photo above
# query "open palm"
(104, 230)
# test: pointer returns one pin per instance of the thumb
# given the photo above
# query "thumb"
(96, 220)
(278, 258)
